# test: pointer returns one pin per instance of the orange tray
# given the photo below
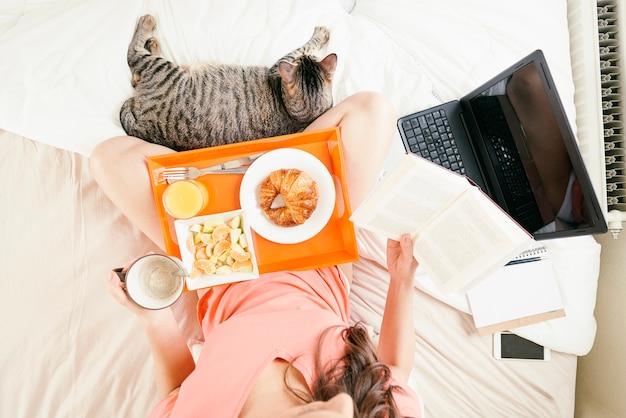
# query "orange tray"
(334, 244)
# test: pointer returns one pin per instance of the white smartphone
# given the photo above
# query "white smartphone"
(509, 346)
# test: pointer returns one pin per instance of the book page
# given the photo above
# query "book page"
(469, 240)
(409, 197)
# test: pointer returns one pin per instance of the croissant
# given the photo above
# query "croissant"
(297, 189)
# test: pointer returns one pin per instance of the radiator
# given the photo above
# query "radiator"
(596, 33)
(612, 77)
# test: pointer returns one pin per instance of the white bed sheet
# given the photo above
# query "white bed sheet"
(68, 349)
(71, 350)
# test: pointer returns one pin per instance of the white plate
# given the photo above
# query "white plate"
(285, 158)
(207, 280)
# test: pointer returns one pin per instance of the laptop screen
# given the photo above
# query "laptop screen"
(542, 145)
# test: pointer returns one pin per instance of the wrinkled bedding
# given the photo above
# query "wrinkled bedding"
(69, 350)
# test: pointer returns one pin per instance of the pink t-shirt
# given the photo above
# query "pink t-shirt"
(248, 324)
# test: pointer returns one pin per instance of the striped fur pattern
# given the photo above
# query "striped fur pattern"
(206, 105)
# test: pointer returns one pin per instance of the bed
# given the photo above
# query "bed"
(68, 350)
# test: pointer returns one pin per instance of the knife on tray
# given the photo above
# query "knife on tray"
(238, 165)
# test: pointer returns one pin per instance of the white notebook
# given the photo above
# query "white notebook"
(523, 292)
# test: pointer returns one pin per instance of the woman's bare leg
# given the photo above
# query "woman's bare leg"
(119, 167)
(367, 122)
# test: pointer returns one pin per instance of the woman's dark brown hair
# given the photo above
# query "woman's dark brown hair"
(358, 373)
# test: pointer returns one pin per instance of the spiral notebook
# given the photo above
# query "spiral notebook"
(523, 292)
(529, 256)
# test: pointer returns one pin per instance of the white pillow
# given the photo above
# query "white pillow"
(64, 76)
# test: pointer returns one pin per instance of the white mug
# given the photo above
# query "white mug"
(154, 281)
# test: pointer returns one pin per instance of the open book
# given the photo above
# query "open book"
(459, 234)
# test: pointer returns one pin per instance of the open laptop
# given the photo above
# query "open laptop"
(512, 138)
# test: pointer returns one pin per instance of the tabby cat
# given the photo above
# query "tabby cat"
(207, 105)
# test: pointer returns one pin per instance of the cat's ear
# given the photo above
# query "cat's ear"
(329, 65)
(287, 72)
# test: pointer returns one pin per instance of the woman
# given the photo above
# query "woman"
(279, 346)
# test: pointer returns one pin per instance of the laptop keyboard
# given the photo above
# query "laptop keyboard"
(430, 136)
(520, 198)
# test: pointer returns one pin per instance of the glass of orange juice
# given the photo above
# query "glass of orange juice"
(185, 198)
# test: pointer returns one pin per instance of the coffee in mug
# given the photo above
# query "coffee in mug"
(154, 281)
